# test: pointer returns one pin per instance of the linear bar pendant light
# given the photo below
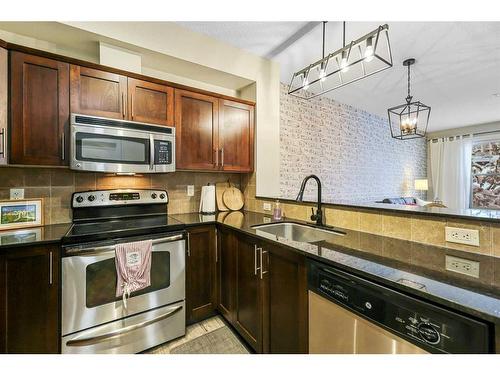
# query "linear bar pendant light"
(359, 59)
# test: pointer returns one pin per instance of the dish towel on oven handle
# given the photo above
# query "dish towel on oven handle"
(133, 267)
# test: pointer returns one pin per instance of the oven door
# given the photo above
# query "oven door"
(118, 150)
(89, 283)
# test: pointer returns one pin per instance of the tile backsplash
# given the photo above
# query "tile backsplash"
(424, 229)
(56, 185)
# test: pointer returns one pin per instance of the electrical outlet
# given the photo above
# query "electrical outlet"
(266, 206)
(190, 190)
(16, 193)
(266, 219)
(463, 236)
(463, 266)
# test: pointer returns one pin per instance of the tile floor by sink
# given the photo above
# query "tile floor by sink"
(226, 343)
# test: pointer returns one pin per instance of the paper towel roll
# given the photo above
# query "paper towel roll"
(207, 200)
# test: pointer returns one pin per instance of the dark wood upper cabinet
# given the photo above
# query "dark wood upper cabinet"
(150, 102)
(196, 131)
(201, 273)
(249, 298)
(39, 109)
(29, 300)
(98, 93)
(236, 135)
(227, 248)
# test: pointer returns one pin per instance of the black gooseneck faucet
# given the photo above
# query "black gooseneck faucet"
(318, 217)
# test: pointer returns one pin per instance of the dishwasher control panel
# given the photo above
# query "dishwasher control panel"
(429, 326)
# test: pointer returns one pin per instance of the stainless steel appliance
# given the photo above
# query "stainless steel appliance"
(94, 320)
(116, 146)
(351, 315)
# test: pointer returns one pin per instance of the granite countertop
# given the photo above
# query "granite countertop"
(33, 236)
(468, 213)
(389, 261)
(360, 254)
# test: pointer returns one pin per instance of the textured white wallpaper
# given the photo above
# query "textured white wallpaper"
(351, 150)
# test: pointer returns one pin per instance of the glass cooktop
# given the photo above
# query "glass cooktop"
(122, 227)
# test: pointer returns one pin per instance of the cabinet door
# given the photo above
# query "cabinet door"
(249, 308)
(226, 288)
(39, 110)
(201, 273)
(287, 304)
(98, 93)
(236, 129)
(150, 102)
(196, 131)
(29, 288)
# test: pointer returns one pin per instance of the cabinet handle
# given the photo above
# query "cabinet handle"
(132, 105)
(50, 268)
(216, 157)
(256, 251)
(188, 245)
(2, 133)
(63, 146)
(216, 247)
(222, 157)
(262, 272)
(123, 105)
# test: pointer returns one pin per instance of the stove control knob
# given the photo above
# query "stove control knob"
(79, 199)
(91, 198)
(428, 333)
(162, 196)
(153, 195)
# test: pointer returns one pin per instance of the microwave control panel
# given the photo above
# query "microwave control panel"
(163, 152)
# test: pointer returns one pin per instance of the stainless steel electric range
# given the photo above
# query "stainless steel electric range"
(94, 320)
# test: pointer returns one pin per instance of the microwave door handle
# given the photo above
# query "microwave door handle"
(151, 152)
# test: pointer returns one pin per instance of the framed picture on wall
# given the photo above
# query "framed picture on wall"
(16, 214)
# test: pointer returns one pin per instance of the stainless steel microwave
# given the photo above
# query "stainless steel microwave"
(101, 144)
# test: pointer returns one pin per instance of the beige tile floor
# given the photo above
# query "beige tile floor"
(192, 332)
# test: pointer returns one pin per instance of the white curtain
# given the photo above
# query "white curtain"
(450, 162)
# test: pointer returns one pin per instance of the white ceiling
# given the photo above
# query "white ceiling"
(457, 70)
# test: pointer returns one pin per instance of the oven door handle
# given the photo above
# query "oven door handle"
(92, 340)
(101, 249)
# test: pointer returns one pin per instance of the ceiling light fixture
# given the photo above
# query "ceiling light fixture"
(409, 120)
(360, 58)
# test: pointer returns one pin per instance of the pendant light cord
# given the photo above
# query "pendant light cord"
(324, 27)
(409, 81)
(343, 35)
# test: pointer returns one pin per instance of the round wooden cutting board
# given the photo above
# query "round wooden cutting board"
(233, 198)
(220, 187)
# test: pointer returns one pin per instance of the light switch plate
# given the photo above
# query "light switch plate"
(16, 193)
(266, 206)
(463, 266)
(190, 190)
(463, 236)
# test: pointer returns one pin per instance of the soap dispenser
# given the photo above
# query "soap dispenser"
(277, 215)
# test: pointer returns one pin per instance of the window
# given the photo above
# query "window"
(486, 175)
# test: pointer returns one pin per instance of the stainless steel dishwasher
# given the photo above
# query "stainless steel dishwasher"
(351, 315)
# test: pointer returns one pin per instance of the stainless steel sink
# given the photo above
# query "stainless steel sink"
(295, 232)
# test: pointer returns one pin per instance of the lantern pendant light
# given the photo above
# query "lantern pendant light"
(409, 120)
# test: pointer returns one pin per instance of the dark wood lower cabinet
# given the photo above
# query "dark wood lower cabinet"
(263, 293)
(227, 248)
(287, 304)
(29, 300)
(249, 296)
(201, 274)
